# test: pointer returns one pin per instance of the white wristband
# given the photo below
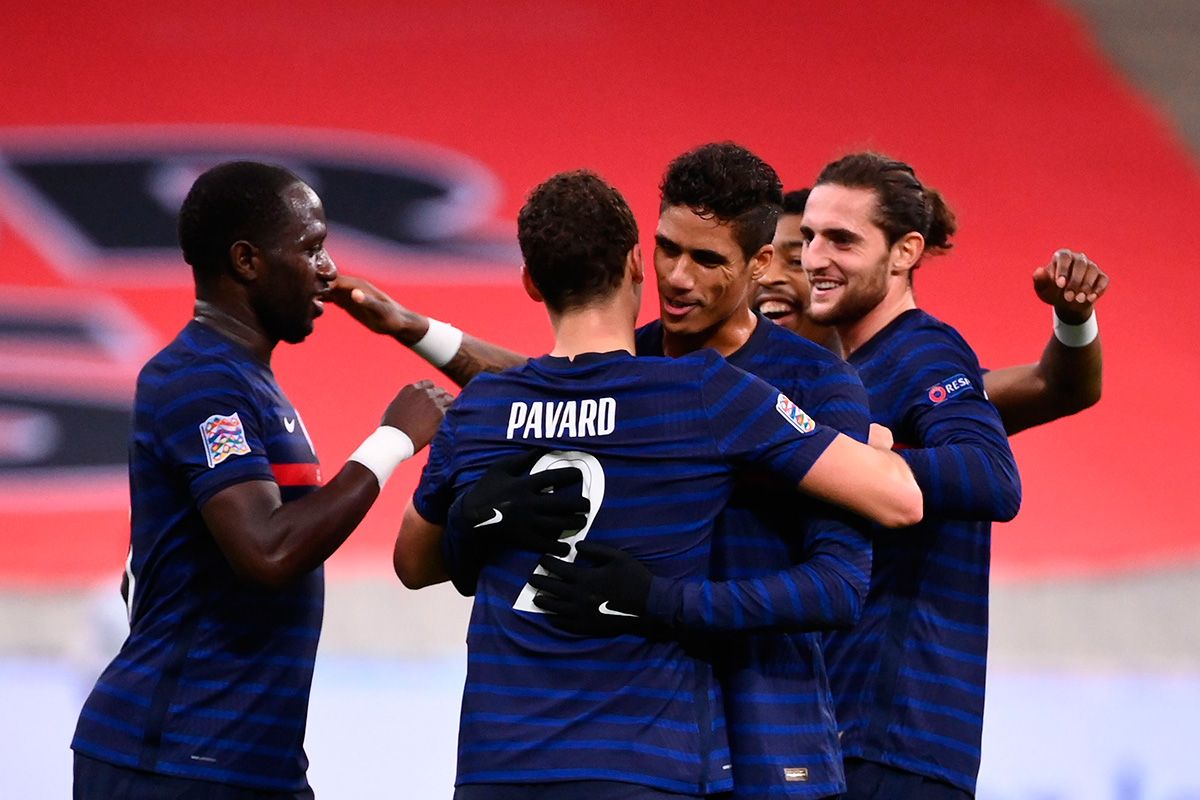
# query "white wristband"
(439, 344)
(382, 452)
(1080, 335)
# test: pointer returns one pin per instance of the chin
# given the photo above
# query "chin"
(296, 337)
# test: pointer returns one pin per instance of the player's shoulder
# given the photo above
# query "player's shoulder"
(648, 339)
(924, 325)
(199, 361)
(913, 338)
(781, 342)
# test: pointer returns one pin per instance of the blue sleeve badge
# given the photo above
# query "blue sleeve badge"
(223, 436)
(795, 415)
(942, 391)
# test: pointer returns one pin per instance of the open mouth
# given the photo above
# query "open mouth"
(776, 310)
(676, 308)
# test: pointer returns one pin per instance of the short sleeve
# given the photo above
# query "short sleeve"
(435, 492)
(209, 430)
(753, 422)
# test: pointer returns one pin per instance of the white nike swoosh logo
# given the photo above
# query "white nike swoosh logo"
(496, 517)
(290, 424)
(612, 612)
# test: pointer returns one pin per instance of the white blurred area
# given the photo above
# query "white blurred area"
(1105, 712)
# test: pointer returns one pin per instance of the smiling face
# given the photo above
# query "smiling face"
(296, 270)
(704, 279)
(847, 257)
(783, 289)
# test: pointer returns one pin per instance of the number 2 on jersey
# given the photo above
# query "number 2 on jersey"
(593, 490)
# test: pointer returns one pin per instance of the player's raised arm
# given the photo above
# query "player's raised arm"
(1069, 376)
(460, 356)
(271, 542)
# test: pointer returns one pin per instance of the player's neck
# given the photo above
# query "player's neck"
(855, 334)
(235, 326)
(594, 329)
(725, 338)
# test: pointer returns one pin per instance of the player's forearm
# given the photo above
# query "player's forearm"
(299, 536)
(873, 483)
(417, 556)
(824, 593)
(475, 356)
(1066, 381)
(972, 481)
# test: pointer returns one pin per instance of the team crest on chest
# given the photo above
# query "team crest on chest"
(224, 436)
(795, 415)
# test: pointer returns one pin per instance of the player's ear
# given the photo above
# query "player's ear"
(760, 261)
(244, 260)
(530, 289)
(907, 251)
(634, 266)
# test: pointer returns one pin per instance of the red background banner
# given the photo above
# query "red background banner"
(1007, 107)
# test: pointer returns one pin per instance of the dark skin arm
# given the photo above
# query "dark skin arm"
(380, 313)
(273, 543)
(1066, 379)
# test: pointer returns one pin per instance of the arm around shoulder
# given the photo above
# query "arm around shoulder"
(874, 483)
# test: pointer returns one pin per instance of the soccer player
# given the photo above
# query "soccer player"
(656, 440)
(909, 677)
(779, 562)
(230, 524)
(1067, 379)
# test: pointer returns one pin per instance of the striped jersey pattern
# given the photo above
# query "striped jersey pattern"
(909, 678)
(541, 704)
(781, 562)
(213, 681)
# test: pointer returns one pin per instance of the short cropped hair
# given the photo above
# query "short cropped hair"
(575, 233)
(234, 201)
(727, 182)
(903, 204)
(795, 201)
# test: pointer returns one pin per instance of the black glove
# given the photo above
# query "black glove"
(507, 508)
(609, 597)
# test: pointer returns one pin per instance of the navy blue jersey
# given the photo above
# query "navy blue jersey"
(909, 678)
(213, 681)
(657, 440)
(786, 562)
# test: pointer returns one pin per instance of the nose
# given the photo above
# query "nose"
(773, 275)
(815, 256)
(326, 269)
(680, 275)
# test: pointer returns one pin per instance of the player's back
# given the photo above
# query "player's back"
(657, 453)
(777, 700)
(213, 679)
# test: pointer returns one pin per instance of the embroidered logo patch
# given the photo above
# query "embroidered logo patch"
(795, 415)
(944, 390)
(224, 436)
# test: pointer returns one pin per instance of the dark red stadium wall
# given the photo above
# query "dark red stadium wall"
(1007, 107)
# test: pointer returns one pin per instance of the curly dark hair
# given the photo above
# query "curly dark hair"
(234, 201)
(903, 203)
(795, 200)
(726, 181)
(575, 233)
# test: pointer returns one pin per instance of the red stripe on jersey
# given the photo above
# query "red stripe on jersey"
(297, 474)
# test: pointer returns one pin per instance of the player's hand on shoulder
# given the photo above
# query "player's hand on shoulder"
(511, 508)
(418, 411)
(880, 436)
(1072, 283)
(371, 306)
